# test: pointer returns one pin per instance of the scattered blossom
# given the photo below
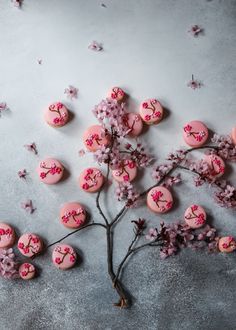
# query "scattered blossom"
(194, 84)
(22, 174)
(8, 264)
(28, 206)
(96, 46)
(31, 147)
(17, 3)
(3, 107)
(81, 152)
(71, 92)
(39, 60)
(195, 30)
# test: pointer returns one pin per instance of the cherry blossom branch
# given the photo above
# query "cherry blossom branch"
(75, 231)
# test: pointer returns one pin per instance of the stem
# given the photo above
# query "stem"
(75, 231)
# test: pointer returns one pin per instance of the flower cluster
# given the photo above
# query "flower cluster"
(125, 191)
(175, 236)
(139, 154)
(8, 264)
(226, 148)
(110, 114)
(226, 196)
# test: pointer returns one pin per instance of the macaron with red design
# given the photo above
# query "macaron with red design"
(72, 215)
(7, 235)
(195, 216)
(95, 137)
(116, 93)
(134, 123)
(216, 164)
(27, 271)
(91, 180)
(195, 133)
(50, 171)
(30, 244)
(56, 114)
(125, 173)
(64, 256)
(159, 199)
(227, 244)
(151, 111)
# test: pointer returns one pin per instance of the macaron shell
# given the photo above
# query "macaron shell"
(195, 216)
(233, 135)
(56, 114)
(7, 235)
(195, 133)
(216, 164)
(64, 256)
(227, 244)
(134, 123)
(72, 215)
(94, 137)
(30, 244)
(159, 199)
(126, 173)
(116, 93)
(91, 179)
(50, 171)
(151, 111)
(27, 271)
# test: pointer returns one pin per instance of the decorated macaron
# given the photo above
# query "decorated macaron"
(50, 171)
(116, 93)
(125, 173)
(233, 135)
(30, 244)
(7, 235)
(216, 164)
(195, 133)
(63, 256)
(56, 114)
(195, 216)
(134, 123)
(227, 244)
(151, 111)
(159, 199)
(91, 179)
(27, 271)
(94, 137)
(72, 215)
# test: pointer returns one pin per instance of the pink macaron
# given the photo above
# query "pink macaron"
(56, 114)
(233, 135)
(91, 179)
(216, 164)
(151, 111)
(134, 123)
(125, 173)
(64, 256)
(116, 93)
(94, 137)
(72, 215)
(30, 244)
(50, 171)
(27, 271)
(159, 199)
(7, 235)
(227, 244)
(195, 133)
(195, 216)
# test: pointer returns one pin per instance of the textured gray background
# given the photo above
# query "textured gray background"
(149, 53)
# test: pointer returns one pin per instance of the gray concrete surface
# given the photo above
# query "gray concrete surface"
(147, 51)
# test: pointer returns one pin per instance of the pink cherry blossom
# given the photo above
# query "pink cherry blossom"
(71, 92)
(152, 234)
(95, 46)
(31, 147)
(195, 30)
